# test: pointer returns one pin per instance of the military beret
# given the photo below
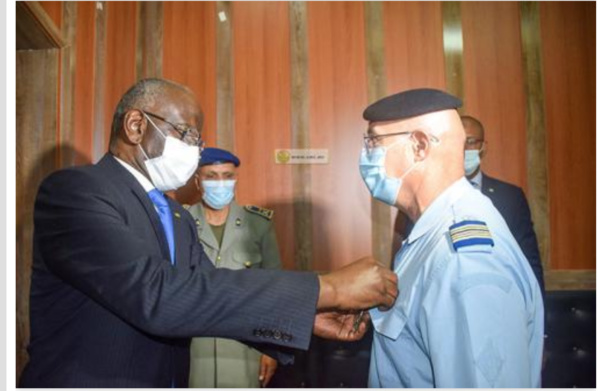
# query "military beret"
(217, 156)
(410, 103)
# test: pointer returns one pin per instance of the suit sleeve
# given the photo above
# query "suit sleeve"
(84, 238)
(526, 237)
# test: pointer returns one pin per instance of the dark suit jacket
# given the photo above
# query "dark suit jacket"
(109, 310)
(512, 205)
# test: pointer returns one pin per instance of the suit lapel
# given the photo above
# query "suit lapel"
(230, 231)
(487, 186)
(178, 231)
(120, 173)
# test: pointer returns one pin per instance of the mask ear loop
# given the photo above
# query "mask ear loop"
(155, 126)
(143, 152)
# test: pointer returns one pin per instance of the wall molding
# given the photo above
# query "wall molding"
(375, 58)
(559, 280)
(301, 173)
(225, 120)
(35, 29)
(99, 115)
(68, 62)
(537, 159)
(452, 38)
(150, 26)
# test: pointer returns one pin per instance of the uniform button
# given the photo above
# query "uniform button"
(277, 334)
(268, 334)
(257, 333)
(218, 257)
(286, 337)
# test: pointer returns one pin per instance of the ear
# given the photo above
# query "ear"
(421, 145)
(197, 180)
(134, 126)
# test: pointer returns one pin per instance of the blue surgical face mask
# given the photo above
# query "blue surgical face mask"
(381, 186)
(218, 194)
(472, 161)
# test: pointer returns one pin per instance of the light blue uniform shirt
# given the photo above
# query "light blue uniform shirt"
(466, 317)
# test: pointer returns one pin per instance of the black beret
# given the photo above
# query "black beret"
(217, 156)
(410, 103)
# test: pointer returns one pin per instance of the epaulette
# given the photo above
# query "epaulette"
(265, 213)
(470, 233)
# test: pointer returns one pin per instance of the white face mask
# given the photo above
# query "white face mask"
(175, 166)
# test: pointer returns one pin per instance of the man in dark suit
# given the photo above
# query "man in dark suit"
(120, 282)
(507, 198)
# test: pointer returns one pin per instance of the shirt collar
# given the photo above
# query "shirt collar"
(429, 218)
(143, 181)
(476, 181)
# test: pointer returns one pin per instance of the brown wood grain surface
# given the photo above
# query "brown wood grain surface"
(54, 11)
(494, 85)
(189, 47)
(413, 45)
(119, 59)
(569, 66)
(84, 98)
(262, 111)
(338, 96)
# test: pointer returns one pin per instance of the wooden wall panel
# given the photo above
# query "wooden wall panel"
(494, 85)
(149, 39)
(569, 65)
(83, 102)
(120, 58)
(338, 96)
(261, 51)
(36, 153)
(413, 45)
(189, 47)
(54, 11)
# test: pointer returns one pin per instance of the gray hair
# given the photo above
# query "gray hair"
(141, 95)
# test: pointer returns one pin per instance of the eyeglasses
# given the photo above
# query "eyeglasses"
(471, 142)
(372, 141)
(187, 132)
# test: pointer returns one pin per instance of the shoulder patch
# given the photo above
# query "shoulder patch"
(265, 213)
(470, 233)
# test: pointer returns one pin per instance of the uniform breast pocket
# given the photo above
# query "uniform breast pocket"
(247, 259)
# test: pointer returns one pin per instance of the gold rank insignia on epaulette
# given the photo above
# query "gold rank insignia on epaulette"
(470, 233)
(265, 213)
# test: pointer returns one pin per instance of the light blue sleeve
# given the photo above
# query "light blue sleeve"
(475, 325)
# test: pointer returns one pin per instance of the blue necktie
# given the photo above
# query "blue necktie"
(165, 217)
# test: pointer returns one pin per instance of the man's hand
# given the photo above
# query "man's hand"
(267, 368)
(339, 325)
(362, 284)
